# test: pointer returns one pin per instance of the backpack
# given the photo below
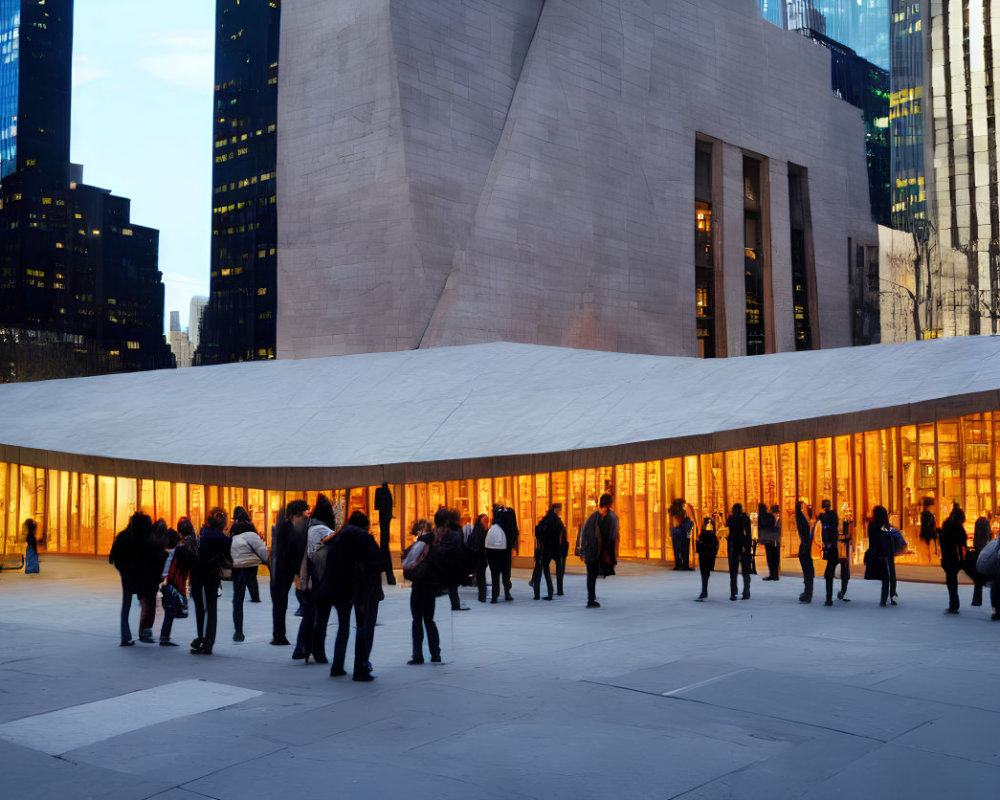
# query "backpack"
(988, 562)
(496, 539)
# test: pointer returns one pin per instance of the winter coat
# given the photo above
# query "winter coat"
(383, 503)
(880, 542)
(928, 532)
(805, 535)
(311, 573)
(952, 541)
(830, 526)
(213, 553)
(125, 557)
(981, 534)
(248, 550)
(550, 533)
(738, 539)
(353, 567)
(589, 543)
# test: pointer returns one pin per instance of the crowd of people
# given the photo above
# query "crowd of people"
(334, 566)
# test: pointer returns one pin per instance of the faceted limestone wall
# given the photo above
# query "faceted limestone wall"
(461, 171)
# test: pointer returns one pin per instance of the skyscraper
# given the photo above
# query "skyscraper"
(906, 116)
(862, 25)
(963, 196)
(239, 322)
(80, 291)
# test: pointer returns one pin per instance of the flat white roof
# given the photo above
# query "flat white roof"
(465, 404)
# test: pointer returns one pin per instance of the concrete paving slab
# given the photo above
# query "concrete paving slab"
(653, 695)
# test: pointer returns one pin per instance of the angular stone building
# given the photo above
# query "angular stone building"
(649, 176)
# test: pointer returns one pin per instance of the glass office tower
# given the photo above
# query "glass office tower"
(239, 322)
(80, 289)
(906, 116)
(862, 25)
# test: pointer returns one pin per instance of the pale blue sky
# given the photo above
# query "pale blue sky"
(142, 123)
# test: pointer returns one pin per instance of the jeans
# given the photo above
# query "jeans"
(951, 580)
(481, 577)
(384, 521)
(808, 574)
(242, 577)
(738, 561)
(206, 607)
(845, 575)
(542, 568)
(706, 564)
(252, 586)
(321, 620)
(307, 624)
(422, 610)
(891, 565)
(887, 573)
(365, 618)
(279, 603)
(977, 592)
(498, 561)
(681, 550)
(126, 631)
(148, 615)
(773, 553)
(456, 601)
(995, 596)
(593, 567)
(560, 571)
(167, 626)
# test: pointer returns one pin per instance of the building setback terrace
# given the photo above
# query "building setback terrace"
(527, 425)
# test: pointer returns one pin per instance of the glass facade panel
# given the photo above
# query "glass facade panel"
(86, 542)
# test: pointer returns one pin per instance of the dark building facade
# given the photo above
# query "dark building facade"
(80, 291)
(239, 322)
(906, 116)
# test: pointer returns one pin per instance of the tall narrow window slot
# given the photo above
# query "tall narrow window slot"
(704, 252)
(753, 252)
(798, 214)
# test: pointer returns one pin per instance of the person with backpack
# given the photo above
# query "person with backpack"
(805, 530)
(981, 535)
(423, 569)
(248, 553)
(496, 556)
(738, 545)
(124, 556)
(351, 578)
(311, 639)
(213, 554)
(506, 518)
(707, 548)
(550, 533)
(181, 560)
(475, 545)
(952, 541)
(829, 537)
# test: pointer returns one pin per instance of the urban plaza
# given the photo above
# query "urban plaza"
(503, 399)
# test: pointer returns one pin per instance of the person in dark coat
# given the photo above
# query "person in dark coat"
(707, 548)
(981, 535)
(830, 536)
(738, 544)
(29, 529)
(550, 533)
(213, 553)
(591, 543)
(448, 529)
(953, 540)
(476, 546)
(681, 526)
(804, 528)
(152, 556)
(881, 551)
(311, 639)
(928, 526)
(286, 537)
(353, 580)
(769, 534)
(125, 557)
(383, 504)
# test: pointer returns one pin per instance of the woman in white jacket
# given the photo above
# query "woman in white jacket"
(248, 552)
